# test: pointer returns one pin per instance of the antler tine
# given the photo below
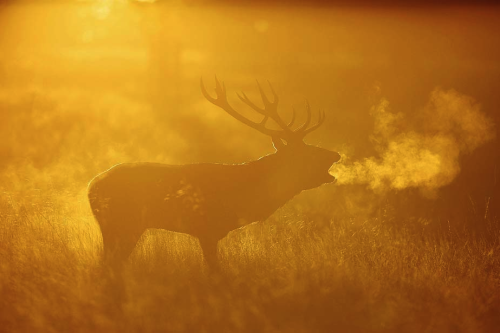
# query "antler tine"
(290, 124)
(205, 93)
(275, 95)
(266, 101)
(248, 102)
(321, 119)
(308, 119)
(263, 95)
(270, 108)
(221, 101)
(218, 86)
(273, 107)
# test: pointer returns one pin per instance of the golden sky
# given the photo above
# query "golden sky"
(87, 84)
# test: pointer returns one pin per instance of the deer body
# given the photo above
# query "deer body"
(204, 200)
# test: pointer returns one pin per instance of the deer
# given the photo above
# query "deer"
(208, 200)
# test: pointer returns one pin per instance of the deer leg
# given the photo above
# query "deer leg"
(209, 247)
(121, 230)
(118, 246)
(117, 249)
(120, 234)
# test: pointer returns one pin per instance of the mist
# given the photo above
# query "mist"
(422, 150)
(406, 240)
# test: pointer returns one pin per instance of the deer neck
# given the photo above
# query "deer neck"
(269, 188)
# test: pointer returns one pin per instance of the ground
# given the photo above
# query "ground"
(292, 273)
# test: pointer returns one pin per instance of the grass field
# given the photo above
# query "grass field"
(408, 240)
(292, 273)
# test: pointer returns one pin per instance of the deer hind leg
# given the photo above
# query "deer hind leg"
(117, 249)
(120, 234)
(117, 246)
(210, 251)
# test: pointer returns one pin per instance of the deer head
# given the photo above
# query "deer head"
(307, 165)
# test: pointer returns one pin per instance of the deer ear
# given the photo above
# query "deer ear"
(278, 143)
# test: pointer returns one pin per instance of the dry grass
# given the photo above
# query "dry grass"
(80, 92)
(289, 274)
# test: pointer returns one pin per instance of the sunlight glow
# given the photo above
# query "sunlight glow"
(261, 25)
(102, 8)
(405, 240)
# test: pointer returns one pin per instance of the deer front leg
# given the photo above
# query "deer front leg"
(211, 229)
(209, 247)
(117, 247)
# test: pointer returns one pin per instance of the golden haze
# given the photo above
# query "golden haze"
(425, 153)
(407, 240)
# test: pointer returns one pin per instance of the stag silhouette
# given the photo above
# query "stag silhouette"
(208, 200)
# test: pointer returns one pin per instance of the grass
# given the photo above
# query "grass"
(292, 273)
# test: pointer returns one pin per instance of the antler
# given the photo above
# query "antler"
(270, 110)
